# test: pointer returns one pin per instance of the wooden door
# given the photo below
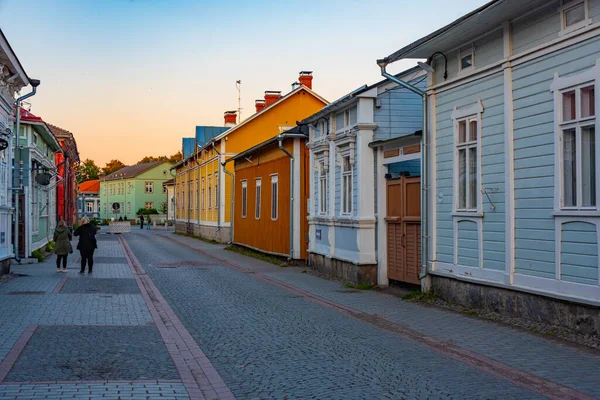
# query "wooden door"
(404, 229)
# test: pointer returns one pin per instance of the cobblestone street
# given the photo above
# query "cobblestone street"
(170, 317)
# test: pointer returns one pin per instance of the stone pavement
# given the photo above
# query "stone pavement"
(166, 316)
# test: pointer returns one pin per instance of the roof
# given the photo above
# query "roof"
(170, 182)
(275, 104)
(9, 58)
(40, 126)
(295, 132)
(132, 171)
(342, 101)
(68, 138)
(92, 186)
(477, 23)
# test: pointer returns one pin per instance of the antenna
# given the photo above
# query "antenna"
(238, 85)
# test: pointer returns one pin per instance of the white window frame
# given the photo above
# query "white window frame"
(148, 205)
(89, 208)
(458, 115)
(563, 7)
(148, 185)
(203, 193)
(128, 207)
(559, 86)
(274, 197)
(464, 53)
(323, 184)
(257, 197)
(244, 198)
(209, 193)
(347, 177)
(197, 195)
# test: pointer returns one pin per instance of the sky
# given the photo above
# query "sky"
(130, 78)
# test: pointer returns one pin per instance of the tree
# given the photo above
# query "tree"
(87, 170)
(175, 158)
(112, 166)
(148, 159)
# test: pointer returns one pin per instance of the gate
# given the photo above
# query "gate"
(404, 229)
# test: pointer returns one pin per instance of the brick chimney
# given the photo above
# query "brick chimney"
(271, 97)
(306, 78)
(230, 118)
(260, 104)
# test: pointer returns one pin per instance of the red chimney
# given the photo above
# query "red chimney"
(271, 97)
(230, 118)
(260, 104)
(306, 78)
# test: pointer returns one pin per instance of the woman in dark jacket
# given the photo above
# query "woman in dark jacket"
(87, 244)
(62, 238)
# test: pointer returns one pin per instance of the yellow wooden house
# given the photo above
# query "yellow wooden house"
(203, 181)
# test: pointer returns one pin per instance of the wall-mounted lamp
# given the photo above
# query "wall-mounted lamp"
(427, 65)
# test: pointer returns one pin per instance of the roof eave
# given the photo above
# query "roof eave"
(5, 45)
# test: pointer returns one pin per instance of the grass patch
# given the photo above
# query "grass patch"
(279, 261)
(362, 286)
(419, 296)
(206, 240)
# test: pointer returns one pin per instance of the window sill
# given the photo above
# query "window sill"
(467, 214)
(575, 27)
(576, 213)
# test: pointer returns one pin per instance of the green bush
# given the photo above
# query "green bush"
(39, 254)
(50, 246)
(146, 211)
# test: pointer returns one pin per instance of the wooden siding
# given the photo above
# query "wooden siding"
(490, 91)
(579, 253)
(265, 234)
(468, 243)
(534, 156)
(400, 112)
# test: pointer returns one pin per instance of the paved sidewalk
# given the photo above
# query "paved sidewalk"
(65, 335)
(550, 360)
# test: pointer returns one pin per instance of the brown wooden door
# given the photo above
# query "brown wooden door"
(404, 229)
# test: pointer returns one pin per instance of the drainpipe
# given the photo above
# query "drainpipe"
(280, 139)
(424, 160)
(222, 164)
(34, 84)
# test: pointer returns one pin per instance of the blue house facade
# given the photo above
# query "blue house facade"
(345, 171)
(512, 158)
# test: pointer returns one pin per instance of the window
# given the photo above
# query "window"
(274, 197)
(149, 187)
(573, 14)
(197, 194)
(467, 157)
(148, 205)
(122, 207)
(90, 207)
(322, 188)
(466, 59)
(128, 207)
(258, 183)
(128, 188)
(577, 138)
(209, 193)
(216, 200)
(164, 189)
(324, 128)
(104, 208)
(346, 185)
(34, 139)
(244, 198)
(203, 187)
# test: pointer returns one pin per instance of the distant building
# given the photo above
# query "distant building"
(66, 189)
(125, 191)
(35, 149)
(170, 188)
(266, 176)
(88, 204)
(10, 68)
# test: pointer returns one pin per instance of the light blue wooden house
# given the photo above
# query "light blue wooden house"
(346, 209)
(513, 185)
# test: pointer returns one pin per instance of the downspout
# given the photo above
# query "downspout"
(222, 164)
(34, 83)
(424, 160)
(280, 142)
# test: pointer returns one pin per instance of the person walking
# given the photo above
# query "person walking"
(142, 221)
(148, 226)
(87, 244)
(62, 239)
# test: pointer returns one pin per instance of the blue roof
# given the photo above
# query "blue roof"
(188, 147)
(204, 134)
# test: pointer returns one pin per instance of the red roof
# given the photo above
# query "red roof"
(92, 186)
(28, 116)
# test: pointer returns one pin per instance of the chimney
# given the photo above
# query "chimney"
(230, 118)
(260, 104)
(271, 97)
(306, 78)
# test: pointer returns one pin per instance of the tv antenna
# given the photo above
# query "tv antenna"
(238, 85)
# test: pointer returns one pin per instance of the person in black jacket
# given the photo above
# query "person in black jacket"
(87, 244)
